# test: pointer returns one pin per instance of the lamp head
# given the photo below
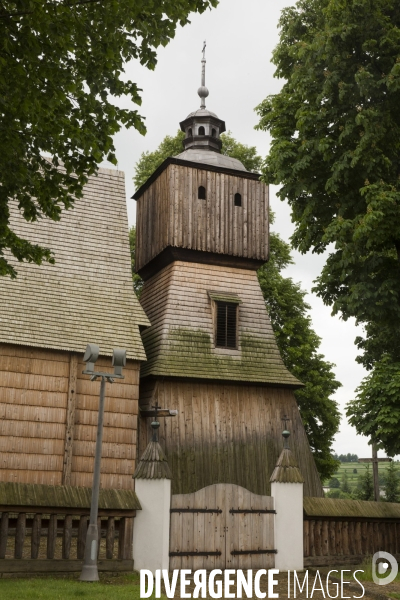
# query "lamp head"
(91, 355)
(118, 360)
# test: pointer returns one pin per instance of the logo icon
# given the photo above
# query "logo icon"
(382, 567)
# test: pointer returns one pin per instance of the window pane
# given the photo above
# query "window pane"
(231, 310)
(221, 324)
(226, 325)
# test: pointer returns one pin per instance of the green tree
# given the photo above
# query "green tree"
(345, 486)
(137, 280)
(365, 486)
(285, 301)
(335, 151)
(392, 484)
(298, 344)
(334, 483)
(375, 412)
(171, 146)
(61, 69)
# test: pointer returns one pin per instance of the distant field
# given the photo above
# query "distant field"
(360, 467)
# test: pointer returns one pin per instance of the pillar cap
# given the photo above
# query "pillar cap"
(287, 469)
(153, 464)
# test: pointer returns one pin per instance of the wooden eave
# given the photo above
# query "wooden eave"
(171, 160)
(64, 496)
(317, 508)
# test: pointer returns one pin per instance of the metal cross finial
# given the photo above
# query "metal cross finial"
(203, 91)
(155, 424)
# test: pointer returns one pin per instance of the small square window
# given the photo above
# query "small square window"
(226, 326)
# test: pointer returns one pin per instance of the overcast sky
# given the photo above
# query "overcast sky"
(241, 36)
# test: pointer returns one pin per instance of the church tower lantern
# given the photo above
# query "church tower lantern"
(203, 128)
(201, 234)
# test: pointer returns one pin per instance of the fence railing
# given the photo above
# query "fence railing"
(53, 537)
(348, 531)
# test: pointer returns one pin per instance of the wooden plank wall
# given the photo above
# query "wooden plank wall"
(120, 428)
(228, 434)
(339, 541)
(170, 214)
(48, 413)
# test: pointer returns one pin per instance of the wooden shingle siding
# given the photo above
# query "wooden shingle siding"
(180, 341)
(34, 387)
(228, 434)
(169, 213)
(87, 296)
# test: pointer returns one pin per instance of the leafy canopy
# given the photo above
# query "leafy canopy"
(298, 344)
(61, 68)
(335, 128)
(284, 299)
(171, 146)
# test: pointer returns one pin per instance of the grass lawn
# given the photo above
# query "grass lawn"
(352, 477)
(121, 587)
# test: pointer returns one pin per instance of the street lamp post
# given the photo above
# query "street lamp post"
(89, 568)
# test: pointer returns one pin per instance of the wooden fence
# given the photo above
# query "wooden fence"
(43, 528)
(348, 531)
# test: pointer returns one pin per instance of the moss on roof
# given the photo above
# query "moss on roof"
(331, 507)
(190, 353)
(64, 496)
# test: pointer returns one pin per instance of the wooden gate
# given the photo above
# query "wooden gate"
(222, 526)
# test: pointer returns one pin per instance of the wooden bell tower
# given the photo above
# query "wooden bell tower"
(202, 233)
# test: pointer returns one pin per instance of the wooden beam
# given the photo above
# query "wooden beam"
(369, 460)
(163, 412)
(70, 424)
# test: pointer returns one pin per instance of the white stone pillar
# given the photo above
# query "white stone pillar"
(287, 491)
(151, 525)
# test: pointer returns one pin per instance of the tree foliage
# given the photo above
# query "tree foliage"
(284, 299)
(392, 484)
(171, 146)
(137, 280)
(345, 486)
(376, 411)
(365, 486)
(61, 68)
(335, 151)
(346, 458)
(298, 344)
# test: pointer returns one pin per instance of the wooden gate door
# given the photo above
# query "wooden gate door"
(222, 526)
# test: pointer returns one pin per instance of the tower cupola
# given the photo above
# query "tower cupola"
(202, 127)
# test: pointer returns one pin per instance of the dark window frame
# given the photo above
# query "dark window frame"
(202, 193)
(202, 131)
(226, 325)
(238, 199)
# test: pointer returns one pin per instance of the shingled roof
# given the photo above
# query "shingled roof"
(87, 296)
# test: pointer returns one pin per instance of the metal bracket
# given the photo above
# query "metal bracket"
(253, 510)
(195, 510)
(239, 552)
(216, 553)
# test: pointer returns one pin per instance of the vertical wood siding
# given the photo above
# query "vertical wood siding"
(169, 213)
(34, 386)
(228, 434)
(330, 541)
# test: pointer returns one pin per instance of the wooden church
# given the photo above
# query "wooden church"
(202, 233)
